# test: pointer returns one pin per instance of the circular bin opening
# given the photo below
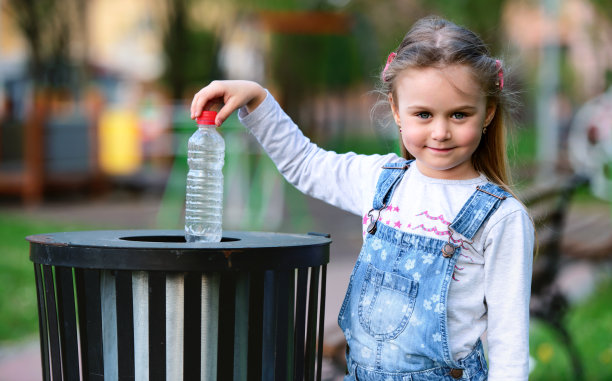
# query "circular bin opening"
(168, 238)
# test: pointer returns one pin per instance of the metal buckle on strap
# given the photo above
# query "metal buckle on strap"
(405, 166)
(372, 226)
(490, 194)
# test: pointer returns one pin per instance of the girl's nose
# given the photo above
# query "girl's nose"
(440, 130)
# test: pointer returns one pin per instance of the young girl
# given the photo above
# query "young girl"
(447, 250)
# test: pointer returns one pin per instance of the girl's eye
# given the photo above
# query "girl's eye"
(458, 115)
(423, 115)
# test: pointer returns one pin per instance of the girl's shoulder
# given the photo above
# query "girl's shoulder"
(511, 211)
(512, 205)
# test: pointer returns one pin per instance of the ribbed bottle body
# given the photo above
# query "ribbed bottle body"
(204, 194)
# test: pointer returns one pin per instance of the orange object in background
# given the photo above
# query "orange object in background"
(120, 151)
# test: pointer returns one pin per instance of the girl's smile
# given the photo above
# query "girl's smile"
(441, 150)
(441, 113)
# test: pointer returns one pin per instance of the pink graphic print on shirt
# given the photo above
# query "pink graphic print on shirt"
(439, 227)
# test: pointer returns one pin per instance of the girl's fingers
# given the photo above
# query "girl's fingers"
(197, 104)
(224, 96)
(225, 111)
(202, 97)
(200, 101)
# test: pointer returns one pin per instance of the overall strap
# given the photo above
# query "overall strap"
(387, 182)
(478, 208)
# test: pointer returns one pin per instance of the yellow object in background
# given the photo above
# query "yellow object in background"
(120, 151)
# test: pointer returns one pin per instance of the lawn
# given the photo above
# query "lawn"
(590, 326)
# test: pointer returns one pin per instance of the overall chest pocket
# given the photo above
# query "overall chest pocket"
(386, 303)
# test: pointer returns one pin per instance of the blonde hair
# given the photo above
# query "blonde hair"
(435, 42)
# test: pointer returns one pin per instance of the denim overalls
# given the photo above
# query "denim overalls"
(394, 312)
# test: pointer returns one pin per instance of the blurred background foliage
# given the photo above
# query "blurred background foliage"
(78, 73)
(188, 50)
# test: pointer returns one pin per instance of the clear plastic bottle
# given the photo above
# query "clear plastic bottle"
(204, 201)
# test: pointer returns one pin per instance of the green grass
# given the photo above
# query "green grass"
(18, 311)
(590, 326)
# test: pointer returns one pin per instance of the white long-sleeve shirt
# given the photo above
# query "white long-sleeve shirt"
(490, 290)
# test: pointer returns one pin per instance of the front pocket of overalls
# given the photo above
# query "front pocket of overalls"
(386, 303)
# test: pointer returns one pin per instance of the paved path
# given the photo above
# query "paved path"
(21, 362)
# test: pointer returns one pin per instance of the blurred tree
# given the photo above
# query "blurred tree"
(54, 33)
(483, 17)
(604, 6)
(190, 53)
(321, 48)
(302, 65)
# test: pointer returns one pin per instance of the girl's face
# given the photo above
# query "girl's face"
(441, 113)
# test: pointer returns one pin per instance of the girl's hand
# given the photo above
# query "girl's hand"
(233, 94)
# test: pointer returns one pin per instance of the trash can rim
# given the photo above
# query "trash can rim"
(125, 238)
(147, 250)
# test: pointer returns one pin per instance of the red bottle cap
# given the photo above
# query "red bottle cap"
(207, 117)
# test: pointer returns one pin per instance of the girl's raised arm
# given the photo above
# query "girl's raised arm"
(232, 94)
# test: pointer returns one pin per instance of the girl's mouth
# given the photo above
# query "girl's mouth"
(441, 150)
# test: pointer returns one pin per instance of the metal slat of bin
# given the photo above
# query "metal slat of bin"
(227, 312)
(42, 323)
(321, 321)
(210, 326)
(268, 328)
(313, 296)
(255, 337)
(109, 324)
(300, 323)
(241, 327)
(68, 327)
(175, 310)
(140, 307)
(290, 326)
(125, 324)
(90, 323)
(284, 361)
(54, 340)
(157, 326)
(193, 312)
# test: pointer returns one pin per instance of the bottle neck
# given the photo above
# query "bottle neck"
(206, 126)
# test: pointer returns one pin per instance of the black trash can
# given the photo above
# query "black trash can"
(144, 304)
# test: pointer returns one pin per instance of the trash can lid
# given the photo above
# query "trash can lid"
(167, 250)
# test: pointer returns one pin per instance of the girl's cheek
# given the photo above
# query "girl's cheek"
(410, 138)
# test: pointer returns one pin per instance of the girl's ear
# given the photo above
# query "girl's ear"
(491, 109)
(394, 109)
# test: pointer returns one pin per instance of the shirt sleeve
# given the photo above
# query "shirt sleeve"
(343, 180)
(508, 267)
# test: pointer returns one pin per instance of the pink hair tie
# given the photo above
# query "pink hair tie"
(389, 60)
(500, 74)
